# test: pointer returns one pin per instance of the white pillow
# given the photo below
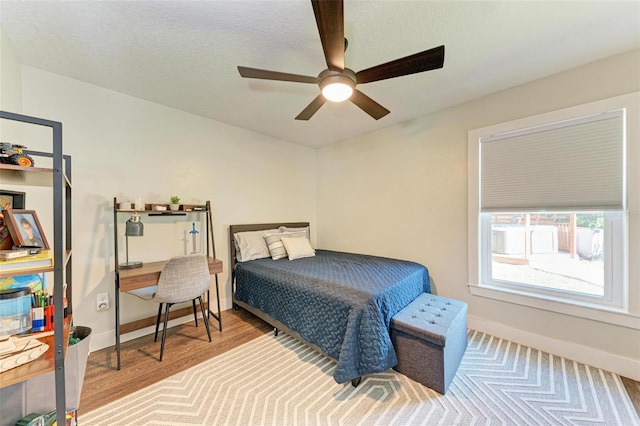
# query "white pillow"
(274, 243)
(250, 245)
(298, 247)
(305, 229)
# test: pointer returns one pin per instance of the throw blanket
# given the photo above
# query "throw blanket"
(341, 302)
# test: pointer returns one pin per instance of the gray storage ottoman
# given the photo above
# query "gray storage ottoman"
(430, 337)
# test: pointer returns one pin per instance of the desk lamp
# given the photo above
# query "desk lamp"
(134, 228)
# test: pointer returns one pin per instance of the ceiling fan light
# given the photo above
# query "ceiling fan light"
(336, 87)
(337, 92)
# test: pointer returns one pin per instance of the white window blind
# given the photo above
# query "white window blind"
(572, 165)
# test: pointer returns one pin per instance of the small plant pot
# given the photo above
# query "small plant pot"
(174, 207)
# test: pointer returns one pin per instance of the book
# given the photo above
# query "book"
(43, 254)
(41, 260)
(35, 282)
(13, 254)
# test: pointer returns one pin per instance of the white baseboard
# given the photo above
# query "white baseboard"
(626, 367)
(108, 338)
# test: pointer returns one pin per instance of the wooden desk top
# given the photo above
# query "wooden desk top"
(149, 274)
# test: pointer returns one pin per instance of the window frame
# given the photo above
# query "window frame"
(617, 308)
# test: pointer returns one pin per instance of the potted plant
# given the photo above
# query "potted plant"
(175, 203)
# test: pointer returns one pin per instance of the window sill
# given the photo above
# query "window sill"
(576, 309)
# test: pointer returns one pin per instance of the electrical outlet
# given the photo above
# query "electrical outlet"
(102, 301)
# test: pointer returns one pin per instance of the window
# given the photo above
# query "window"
(560, 255)
(548, 209)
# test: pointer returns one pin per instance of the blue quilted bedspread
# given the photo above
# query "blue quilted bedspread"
(341, 302)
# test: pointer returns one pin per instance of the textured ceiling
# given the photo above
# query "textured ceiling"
(184, 54)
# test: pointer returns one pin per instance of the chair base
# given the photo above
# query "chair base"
(166, 321)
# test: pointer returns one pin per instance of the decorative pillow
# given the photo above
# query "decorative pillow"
(250, 245)
(274, 243)
(305, 229)
(298, 247)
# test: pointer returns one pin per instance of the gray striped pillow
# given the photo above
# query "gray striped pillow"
(274, 243)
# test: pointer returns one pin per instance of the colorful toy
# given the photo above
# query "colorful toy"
(13, 154)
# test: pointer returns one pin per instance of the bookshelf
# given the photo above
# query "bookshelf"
(10, 273)
(58, 178)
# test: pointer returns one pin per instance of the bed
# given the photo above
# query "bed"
(339, 303)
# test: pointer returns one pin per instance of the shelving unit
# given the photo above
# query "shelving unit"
(149, 272)
(58, 177)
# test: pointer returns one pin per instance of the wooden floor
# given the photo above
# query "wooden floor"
(185, 347)
(633, 389)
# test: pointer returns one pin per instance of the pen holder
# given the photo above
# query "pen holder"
(38, 319)
(42, 318)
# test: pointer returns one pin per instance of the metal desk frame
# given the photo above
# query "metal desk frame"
(149, 273)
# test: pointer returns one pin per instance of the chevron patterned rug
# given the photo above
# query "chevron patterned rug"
(280, 381)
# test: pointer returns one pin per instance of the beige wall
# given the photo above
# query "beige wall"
(10, 89)
(126, 147)
(402, 192)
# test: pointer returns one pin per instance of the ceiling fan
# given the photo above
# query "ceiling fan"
(338, 83)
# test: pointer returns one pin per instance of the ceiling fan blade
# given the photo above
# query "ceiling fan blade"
(312, 108)
(368, 105)
(424, 61)
(330, 20)
(275, 75)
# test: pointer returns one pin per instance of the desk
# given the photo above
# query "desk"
(148, 275)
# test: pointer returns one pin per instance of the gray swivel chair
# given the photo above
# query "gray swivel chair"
(183, 278)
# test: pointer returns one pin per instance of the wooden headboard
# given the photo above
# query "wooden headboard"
(233, 229)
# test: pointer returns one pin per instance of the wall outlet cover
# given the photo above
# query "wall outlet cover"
(102, 301)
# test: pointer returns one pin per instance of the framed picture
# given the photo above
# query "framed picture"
(5, 239)
(25, 228)
(11, 199)
(8, 200)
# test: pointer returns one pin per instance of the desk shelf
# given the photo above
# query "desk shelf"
(149, 208)
(148, 274)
